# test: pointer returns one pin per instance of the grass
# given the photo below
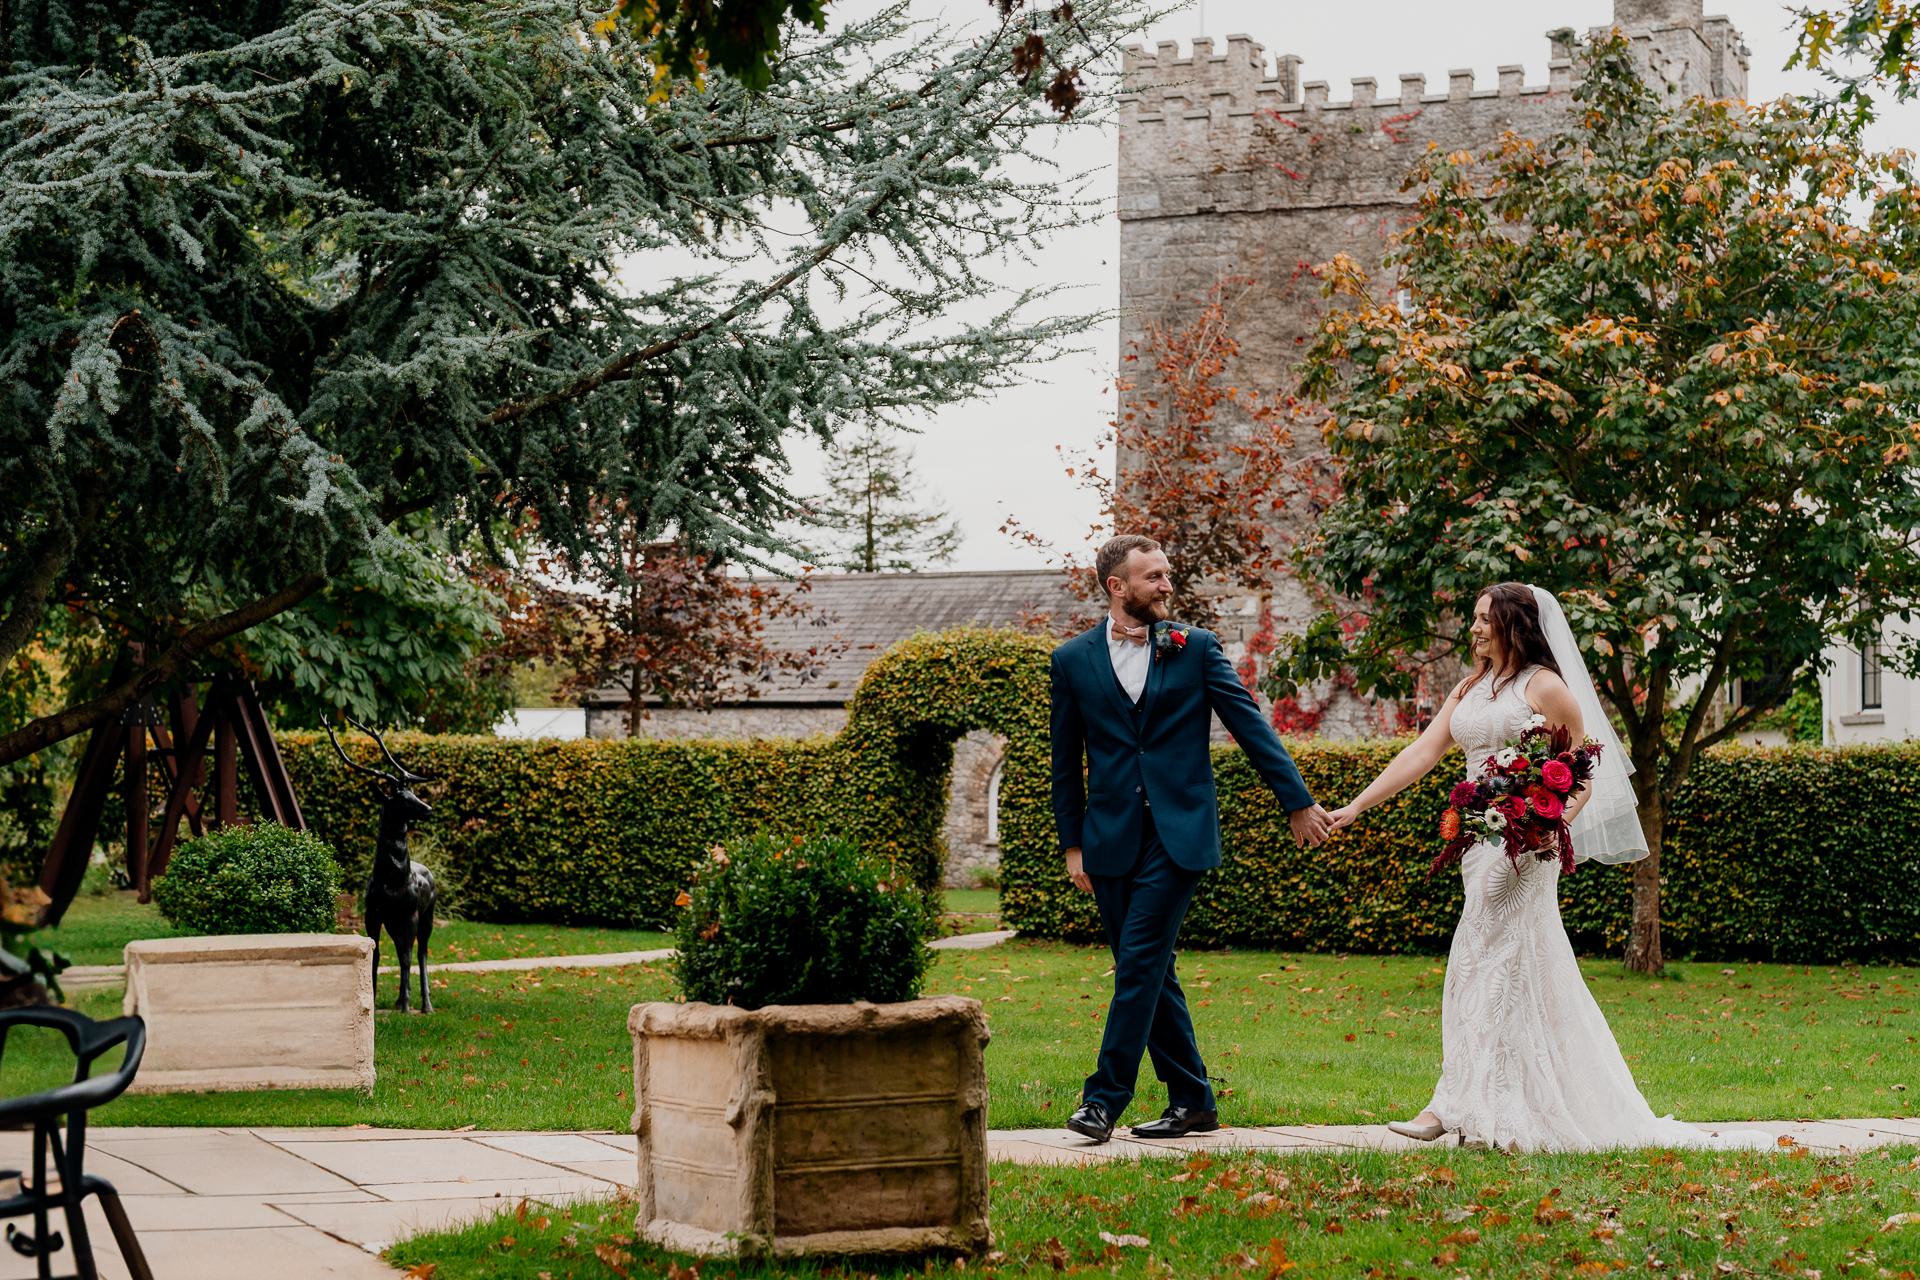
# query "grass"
(97, 928)
(1294, 1038)
(1318, 1039)
(971, 911)
(1689, 1216)
(541, 1049)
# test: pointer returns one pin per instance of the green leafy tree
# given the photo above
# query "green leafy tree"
(870, 514)
(1861, 48)
(1666, 365)
(275, 278)
(402, 637)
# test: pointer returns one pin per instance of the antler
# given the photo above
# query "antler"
(405, 773)
(353, 764)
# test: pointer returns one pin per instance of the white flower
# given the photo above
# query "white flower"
(1536, 720)
(1495, 820)
(1506, 756)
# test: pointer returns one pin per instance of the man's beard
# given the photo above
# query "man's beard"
(1146, 609)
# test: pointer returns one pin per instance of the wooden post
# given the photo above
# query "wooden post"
(226, 775)
(135, 793)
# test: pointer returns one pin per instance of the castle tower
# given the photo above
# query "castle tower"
(1231, 165)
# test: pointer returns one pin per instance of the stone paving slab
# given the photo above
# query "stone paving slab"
(314, 1204)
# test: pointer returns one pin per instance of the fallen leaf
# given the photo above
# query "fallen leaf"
(1125, 1242)
(1181, 1177)
(1057, 1253)
(1901, 1220)
(1239, 1262)
(1469, 1236)
(506, 1242)
(1445, 1258)
(1277, 1263)
(422, 1270)
(1334, 1228)
(1691, 1189)
(1496, 1219)
(616, 1259)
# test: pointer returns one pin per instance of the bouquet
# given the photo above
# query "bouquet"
(1520, 800)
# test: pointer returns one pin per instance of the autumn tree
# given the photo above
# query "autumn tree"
(665, 623)
(1203, 467)
(872, 517)
(1666, 365)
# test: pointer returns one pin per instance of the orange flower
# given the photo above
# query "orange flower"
(684, 900)
(1450, 824)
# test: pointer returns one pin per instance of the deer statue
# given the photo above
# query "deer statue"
(400, 893)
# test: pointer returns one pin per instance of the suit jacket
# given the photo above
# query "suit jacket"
(1158, 753)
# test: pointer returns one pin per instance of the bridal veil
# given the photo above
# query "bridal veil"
(1607, 828)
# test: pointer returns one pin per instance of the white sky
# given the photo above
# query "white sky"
(989, 458)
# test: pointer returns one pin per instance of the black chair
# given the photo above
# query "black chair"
(89, 1039)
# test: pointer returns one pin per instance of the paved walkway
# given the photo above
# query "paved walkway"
(94, 977)
(307, 1204)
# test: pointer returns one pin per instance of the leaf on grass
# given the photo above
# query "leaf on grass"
(1901, 1220)
(617, 1259)
(1469, 1236)
(1333, 1227)
(1057, 1253)
(422, 1270)
(1277, 1263)
(1125, 1242)
(1496, 1219)
(1239, 1262)
(1692, 1189)
(507, 1242)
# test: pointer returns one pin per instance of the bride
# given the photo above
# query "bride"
(1529, 1061)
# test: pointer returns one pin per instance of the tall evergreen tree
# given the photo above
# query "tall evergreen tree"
(870, 516)
(275, 276)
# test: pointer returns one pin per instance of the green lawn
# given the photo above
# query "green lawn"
(1296, 1039)
(1347, 1214)
(1315, 1039)
(96, 930)
(971, 911)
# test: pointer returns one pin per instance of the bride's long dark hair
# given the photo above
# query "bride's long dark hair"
(1515, 616)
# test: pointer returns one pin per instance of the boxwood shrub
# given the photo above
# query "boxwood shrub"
(250, 879)
(800, 921)
(1795, 853)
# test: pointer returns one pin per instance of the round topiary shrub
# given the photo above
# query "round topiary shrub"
(807, 921)
(256, 879)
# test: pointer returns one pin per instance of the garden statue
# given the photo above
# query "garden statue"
(400, 892)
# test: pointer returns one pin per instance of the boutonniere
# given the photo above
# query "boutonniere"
(1169, 638)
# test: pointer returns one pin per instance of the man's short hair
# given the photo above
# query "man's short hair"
(1111, 560)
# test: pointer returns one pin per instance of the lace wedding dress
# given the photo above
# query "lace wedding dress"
(1530, 1063)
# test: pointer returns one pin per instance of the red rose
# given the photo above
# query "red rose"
(1180, 638)
(1512, 806)
(1519, 767)
(1548, 806)
(1557, 776)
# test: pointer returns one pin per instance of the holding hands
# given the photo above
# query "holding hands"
(1311, 826)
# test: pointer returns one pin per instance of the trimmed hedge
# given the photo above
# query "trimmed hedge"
(611, 831)
(260, 878)
(1790, 854)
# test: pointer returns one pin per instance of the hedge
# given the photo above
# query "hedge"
(1786, 854)
(610, 831)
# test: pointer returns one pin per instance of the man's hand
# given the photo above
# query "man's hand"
(1311, 826)
(1081, 880)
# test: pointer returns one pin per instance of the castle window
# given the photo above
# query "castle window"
(993, 806)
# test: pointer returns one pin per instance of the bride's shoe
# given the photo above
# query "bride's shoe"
(1418, 1132)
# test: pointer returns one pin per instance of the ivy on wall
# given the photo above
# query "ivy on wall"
(1785, 854)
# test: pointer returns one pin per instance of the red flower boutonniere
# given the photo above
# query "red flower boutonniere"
(1169, 639)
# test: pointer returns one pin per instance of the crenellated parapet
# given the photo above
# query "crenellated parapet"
(1237, 132)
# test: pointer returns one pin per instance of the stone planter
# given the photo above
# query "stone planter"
(812, 1129)
(253, 1011)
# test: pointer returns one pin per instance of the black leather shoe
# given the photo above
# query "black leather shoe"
(1091, 1121)
(1178, 1122)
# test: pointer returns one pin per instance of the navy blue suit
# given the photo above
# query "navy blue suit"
(1146, 820)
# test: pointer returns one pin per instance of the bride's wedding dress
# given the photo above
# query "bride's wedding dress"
(1530, 1063)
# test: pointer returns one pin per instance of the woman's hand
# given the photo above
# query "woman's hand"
(1345, 815)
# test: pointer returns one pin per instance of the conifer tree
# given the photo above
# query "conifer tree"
(275, 277)
(869, 518)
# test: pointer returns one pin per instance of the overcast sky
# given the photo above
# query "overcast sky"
(989, 458)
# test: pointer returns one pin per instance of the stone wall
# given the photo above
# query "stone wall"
(971, 833)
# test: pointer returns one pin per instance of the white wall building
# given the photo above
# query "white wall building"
(1863, 701)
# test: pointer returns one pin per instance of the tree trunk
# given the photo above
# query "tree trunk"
(1643, 941)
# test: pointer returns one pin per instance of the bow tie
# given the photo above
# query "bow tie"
(1132, 635)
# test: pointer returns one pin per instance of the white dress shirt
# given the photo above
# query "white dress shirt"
(1130, 660)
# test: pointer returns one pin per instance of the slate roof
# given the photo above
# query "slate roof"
(872, 610)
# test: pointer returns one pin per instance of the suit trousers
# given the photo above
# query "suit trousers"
(1142, 912)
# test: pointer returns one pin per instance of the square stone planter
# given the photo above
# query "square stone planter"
(812, 1129)
(253, 1011)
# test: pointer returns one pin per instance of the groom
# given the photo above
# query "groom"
(1135, 696)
